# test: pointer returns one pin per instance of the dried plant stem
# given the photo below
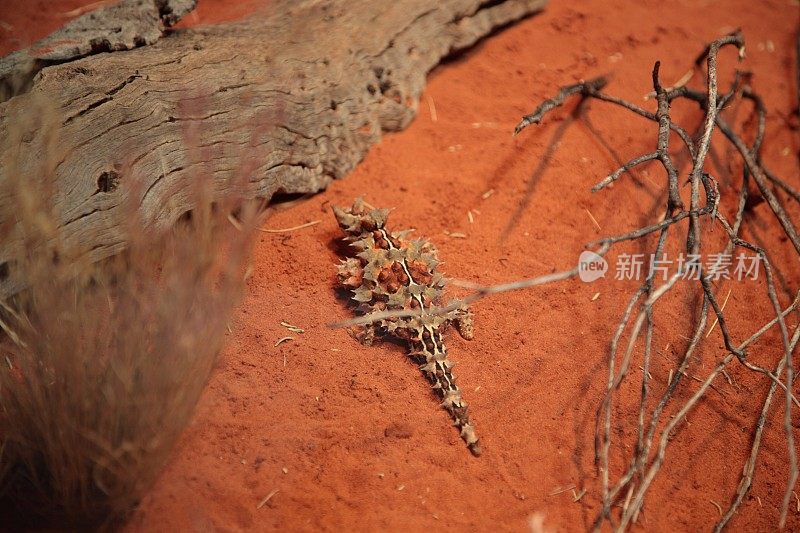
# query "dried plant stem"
(703, 203)
(642, 467)
(750, 465)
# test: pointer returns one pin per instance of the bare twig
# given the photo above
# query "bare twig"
(293, 228)
(704, 201)
(269, 496)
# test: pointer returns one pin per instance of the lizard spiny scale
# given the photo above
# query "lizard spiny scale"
(389, 272)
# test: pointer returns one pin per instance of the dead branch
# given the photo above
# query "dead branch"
(643, 467)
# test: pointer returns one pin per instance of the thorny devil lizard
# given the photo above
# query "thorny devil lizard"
(390, 272)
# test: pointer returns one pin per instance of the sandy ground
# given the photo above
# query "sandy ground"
(349, 437)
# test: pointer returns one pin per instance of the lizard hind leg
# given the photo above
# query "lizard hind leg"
(462, 320)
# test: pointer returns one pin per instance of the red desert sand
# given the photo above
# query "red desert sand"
(320, 432)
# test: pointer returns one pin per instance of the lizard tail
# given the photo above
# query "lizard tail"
(436, 368)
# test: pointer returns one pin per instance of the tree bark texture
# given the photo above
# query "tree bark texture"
(291, 98)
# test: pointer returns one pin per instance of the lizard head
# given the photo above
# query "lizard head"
(360, 218)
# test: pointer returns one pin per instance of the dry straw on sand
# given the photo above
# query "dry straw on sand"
(103, 363)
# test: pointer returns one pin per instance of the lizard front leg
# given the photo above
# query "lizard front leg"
(367, 334)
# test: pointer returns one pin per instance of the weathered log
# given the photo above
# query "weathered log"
(123, 26)
(299, 92)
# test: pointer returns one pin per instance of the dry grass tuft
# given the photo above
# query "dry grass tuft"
(102, 364)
